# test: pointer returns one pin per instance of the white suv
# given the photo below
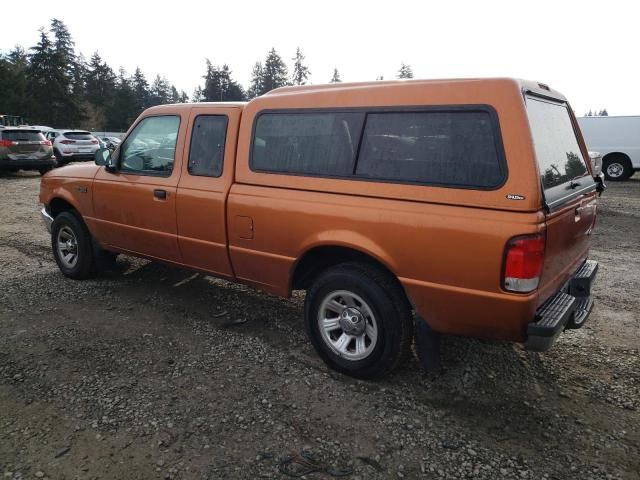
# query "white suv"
(74, 145)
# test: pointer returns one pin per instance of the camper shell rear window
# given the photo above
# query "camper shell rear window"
(563, 169)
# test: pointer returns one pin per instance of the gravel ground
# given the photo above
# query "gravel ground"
(154, 372)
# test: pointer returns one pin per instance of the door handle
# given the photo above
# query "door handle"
(161, 194)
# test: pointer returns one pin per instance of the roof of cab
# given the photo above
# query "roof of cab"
(177, 107)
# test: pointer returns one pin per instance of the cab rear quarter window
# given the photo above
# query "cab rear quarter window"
(206, 152)
(457, 146)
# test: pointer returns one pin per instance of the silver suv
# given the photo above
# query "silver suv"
(74, 145)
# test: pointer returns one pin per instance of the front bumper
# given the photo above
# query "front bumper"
(27, 163)
(46, 219)
(568, 308)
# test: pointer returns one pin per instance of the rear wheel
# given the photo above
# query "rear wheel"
(358, 320)
(617, 167)
(72, 246)
(59, 158)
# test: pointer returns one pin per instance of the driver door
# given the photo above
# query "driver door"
(135, 207)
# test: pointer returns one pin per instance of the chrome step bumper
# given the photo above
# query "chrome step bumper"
(568, 308)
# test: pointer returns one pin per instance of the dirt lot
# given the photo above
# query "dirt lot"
(153, 372)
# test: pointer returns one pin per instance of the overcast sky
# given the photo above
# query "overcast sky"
(588, 50)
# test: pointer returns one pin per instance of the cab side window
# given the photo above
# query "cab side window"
(150, 149)
(206, 153)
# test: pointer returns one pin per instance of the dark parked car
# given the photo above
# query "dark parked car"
(25, 149)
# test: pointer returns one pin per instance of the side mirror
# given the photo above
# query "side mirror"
(103, 157)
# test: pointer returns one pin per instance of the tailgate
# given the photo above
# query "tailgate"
(569, 191)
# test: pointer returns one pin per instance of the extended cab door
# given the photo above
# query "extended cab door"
(135, 206)
(207, 174)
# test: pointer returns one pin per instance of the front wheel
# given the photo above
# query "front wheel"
(358, 320)
(72, 246)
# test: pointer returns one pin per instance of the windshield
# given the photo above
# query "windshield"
(562, 166)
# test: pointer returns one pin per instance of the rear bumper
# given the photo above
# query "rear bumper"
(28, 163)
(568, 308)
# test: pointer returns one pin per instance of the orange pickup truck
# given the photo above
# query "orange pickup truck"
(404, 209)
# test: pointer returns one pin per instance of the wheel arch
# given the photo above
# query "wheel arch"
(59, 204)
(320, 257)
(616, 154)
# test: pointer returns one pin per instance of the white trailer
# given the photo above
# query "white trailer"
(617, 139)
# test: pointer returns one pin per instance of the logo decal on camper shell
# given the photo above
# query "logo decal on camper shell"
(514, 196)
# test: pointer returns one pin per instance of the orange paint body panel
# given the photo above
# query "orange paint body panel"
(445, 245)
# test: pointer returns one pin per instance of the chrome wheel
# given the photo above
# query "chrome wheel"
(347, 325)
(615, 170)
(67, 244)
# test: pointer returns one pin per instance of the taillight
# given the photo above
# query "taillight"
(6, 143)
(67, 142)
(45, 142)
(94, 141)
(523, 262)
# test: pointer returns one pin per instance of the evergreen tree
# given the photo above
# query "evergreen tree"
(100, 82)
(64, 59)
(140, 90)
(41, 89)
(590, 114)
(336, 77)
(219, 86)
(233, 90)
(13, 82)
(79, 81)
(255, 86)
(198, 95)
(123, 109)
(300, 72)
(174, 96)
(274, 73)
(603, 113)
(183, 98)
(100, 91)
(405, 71)
(6, 74)
(159, 91)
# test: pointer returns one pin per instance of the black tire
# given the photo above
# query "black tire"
(59, 158)
(105, 260)
(617, 167)
(390, 312)
(85, 261)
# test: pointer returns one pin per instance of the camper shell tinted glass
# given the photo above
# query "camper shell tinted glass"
(458, 146)
(563, 169)
(313, 143)
(443, 148)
